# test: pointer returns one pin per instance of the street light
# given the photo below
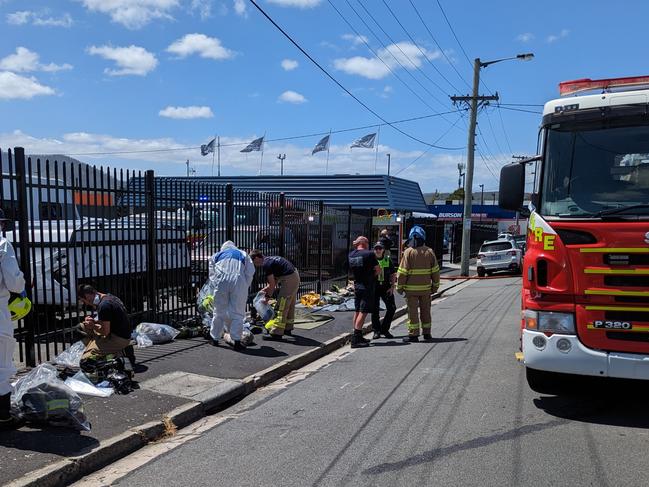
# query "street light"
(281, 158)
(481, 200)
(468, 184)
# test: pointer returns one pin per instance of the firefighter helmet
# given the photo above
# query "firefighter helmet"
(417, 232)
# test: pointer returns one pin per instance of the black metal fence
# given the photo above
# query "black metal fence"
(479, 233)
(148, 240)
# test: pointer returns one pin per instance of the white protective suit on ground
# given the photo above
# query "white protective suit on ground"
(231, 272)
(11, 280)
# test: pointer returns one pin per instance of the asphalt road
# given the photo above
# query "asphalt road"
(454, 412)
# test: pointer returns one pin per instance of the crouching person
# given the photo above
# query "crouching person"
(108, 331)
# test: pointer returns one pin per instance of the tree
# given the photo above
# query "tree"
(458, 194)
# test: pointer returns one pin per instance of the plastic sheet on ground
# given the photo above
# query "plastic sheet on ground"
(157, 333)
(71, 357)
(80, 384)
(41, 397)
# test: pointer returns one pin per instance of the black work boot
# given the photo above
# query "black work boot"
(387, 334)
(411, 339)
(238, 346)
(7, 421)
(428, 337)
(129, 353)
(376, 335)
(358, 341)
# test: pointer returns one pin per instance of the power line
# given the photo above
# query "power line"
(362, 38)
(437, 140)
(280, 139)
(522, 104)
(518, 110)
(438, 45)
(454, 34)
(502, 124)
(389, 51)
(339, 84)
(417, 45)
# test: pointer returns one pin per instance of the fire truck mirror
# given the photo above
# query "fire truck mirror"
(512, 187)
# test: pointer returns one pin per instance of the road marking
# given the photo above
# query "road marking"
(356, 387)
(345, 385)
(364, 406)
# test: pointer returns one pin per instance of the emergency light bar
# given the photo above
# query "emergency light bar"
(586, 84)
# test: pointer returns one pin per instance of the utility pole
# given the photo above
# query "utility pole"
(187, 167)
(388, 154)
(281, 158)
(481, 200)
(474, 101)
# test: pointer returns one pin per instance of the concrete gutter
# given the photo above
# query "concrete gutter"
(71, 469)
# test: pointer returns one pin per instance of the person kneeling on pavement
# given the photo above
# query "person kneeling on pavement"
(279, 273)
(231, 272)
(365, 268)
(384, 291)
(418, 277)
(107, 332)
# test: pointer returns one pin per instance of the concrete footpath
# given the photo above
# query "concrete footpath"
(180, 382)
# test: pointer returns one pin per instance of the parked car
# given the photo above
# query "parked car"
(499, 255)
(521, 242)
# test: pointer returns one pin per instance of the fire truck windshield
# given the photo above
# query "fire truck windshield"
(590, 168)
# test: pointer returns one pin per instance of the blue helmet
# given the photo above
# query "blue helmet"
(417, 232)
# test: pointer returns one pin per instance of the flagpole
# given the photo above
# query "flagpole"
(328, 144)
(261, 160)
(218, 146)
(376, 157)
(213, 151)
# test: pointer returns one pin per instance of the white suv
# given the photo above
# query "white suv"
(499, 255)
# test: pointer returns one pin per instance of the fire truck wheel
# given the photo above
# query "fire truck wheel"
(544, 382)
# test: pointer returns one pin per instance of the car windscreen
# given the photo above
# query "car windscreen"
(495, 247)
(593, 167)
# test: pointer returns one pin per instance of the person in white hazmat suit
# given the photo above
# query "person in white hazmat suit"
(231, 272)
(11, 281)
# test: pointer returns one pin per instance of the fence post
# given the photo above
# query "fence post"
(229, 212)
(23, 239)
(349, 239)
(320, 243)
(282, 224)
(152, 258)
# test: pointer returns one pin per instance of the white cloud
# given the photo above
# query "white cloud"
(19, 18)
(525, 37)
(132, 14)
(289, 64)
(240, 8)
(392, 57)
(552, 38)
(204, 8)
(25, 60)
(292, 97)
(204, 46)
(39, 18)
(432, 171)
(186, 113)
(14, 86)
(131, 60)
(387, 91)
(296, 3)
(356, 40)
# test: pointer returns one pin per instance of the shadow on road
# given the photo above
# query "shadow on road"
(613, 402)
(264, 351)
(479, 442)
(57, 441)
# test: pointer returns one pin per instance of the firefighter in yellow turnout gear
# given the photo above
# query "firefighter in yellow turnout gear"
(418, 278)
(279, 273)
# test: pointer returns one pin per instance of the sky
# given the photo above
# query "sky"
(107, 80)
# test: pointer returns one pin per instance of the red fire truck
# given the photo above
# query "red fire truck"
(585, 300)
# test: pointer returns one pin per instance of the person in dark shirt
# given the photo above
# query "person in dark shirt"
(280, 273)
(108, 331)
(385, 283)
(365, 268)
